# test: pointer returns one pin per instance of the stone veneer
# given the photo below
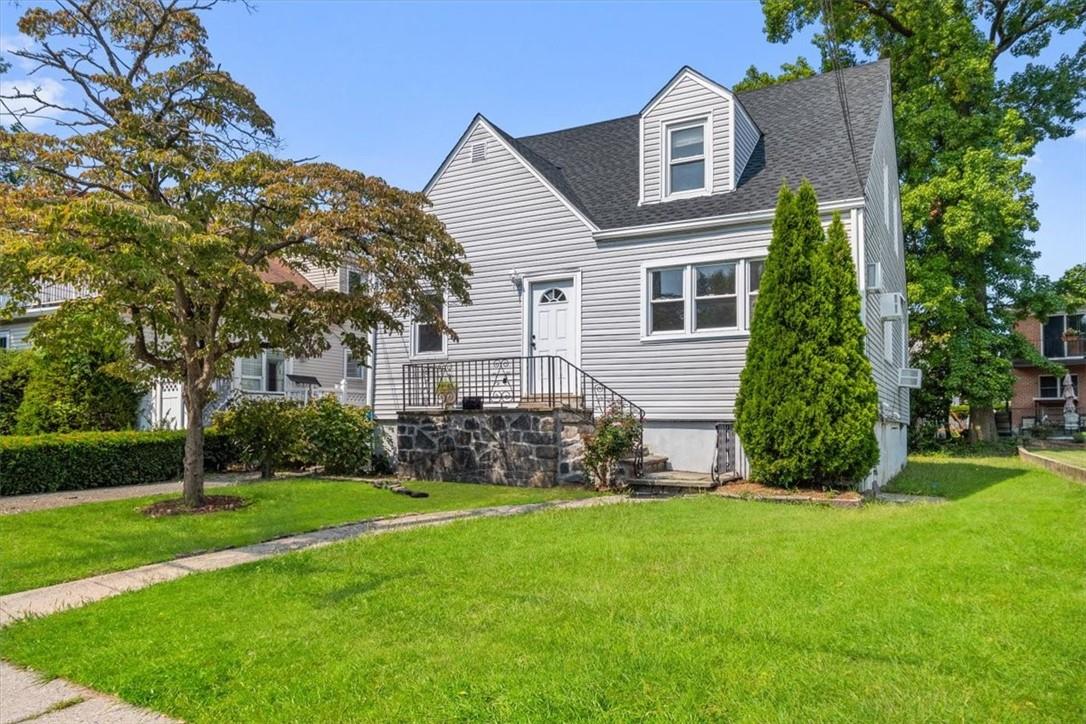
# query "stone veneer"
(537, 448)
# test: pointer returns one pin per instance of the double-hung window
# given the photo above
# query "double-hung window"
(264, 373)
(686, 159)
(353, 368)
(755, 267)
(714, 296)
(701, 298)
(668, 300)
(426, 337)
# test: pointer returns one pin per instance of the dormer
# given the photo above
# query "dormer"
(696, 139)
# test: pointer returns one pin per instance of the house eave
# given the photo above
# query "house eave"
(712, 222)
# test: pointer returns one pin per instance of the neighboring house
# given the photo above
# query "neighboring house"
(633, 249)
(1039, 394)
(336, 372)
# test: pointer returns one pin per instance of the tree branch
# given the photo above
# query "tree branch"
(886, 15)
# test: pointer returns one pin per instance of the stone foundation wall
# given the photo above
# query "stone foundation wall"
(537, 448)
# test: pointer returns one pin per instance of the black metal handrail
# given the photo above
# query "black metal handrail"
(547, 381)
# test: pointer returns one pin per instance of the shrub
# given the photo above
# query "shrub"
(82, 460)
(75, 383)
(340, 438)
(807, 403)
(15, 370)
(1079, 436)
(264, 431)
(615, 435)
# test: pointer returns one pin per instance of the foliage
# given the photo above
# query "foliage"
(1071, 289)
(74, 385)
(807, 403)
(615, 435)
(963, 137)
(38, 545)
(82, 460)
(159, 191)
(969, 611)
(16, 367)
(754, 79)
(264, 431)
(1079, 436)
(339, 438)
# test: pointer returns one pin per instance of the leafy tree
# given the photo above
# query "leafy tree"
(963, 138)
(754, 78)
(806, 408)
(159, 191)
(16, 366)
(73, 385)
(1071, 288)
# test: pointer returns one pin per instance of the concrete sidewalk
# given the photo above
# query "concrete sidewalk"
(25, 697)
(65, 498)
(44, 601)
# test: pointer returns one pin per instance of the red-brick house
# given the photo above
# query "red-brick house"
(1039, 393)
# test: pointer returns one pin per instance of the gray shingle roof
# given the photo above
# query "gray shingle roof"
(803, 137)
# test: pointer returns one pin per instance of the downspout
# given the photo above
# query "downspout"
(371, 378)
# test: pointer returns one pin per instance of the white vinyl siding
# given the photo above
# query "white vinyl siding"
(745, 140)
(687, 100)
(17, 332)
(887, 344)
(507, 219)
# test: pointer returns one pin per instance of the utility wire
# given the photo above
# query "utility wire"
(842, 96)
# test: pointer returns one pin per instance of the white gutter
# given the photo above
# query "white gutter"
(714, 221)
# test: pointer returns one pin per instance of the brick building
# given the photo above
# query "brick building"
(1038, 394)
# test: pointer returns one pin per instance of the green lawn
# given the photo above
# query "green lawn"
(1071, 457)
(49, 546)
(686, 610)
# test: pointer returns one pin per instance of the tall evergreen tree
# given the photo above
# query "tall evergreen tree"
(846, 393)
(964, 132)
(806, 408)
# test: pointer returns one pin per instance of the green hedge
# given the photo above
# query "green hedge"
(81, 460)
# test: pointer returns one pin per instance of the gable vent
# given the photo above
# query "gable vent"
(478, 152)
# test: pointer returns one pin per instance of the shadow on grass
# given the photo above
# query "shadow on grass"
(951, 479)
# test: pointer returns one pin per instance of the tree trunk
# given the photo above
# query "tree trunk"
(982, 427)
(267, 471)
(194, 447)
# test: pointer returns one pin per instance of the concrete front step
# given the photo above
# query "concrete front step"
(673, 481)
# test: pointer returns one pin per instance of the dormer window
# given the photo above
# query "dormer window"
(686, 167)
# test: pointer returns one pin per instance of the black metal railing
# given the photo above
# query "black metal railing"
(546, 381)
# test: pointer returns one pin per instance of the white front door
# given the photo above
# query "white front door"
(552, 335)
(552, 320)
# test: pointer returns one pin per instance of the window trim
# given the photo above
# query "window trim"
(437, 354)
(669, 127)
(6, 337)
(1063, 330)
(346, 366)
(263, 357)
(689, 331)
(1059, 387)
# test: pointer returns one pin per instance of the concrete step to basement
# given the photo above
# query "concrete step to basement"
(672, 482)
(652, 464)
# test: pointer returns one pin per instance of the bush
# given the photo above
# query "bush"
(264, 432)
(807, 403)
(340, 438)
(75, 383)
(1079, 436)
(16, 367)
(615, 435)
(82, 460)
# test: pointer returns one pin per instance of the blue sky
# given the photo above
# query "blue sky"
(387, 88)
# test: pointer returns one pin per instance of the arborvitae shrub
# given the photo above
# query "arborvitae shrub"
(806, 408)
